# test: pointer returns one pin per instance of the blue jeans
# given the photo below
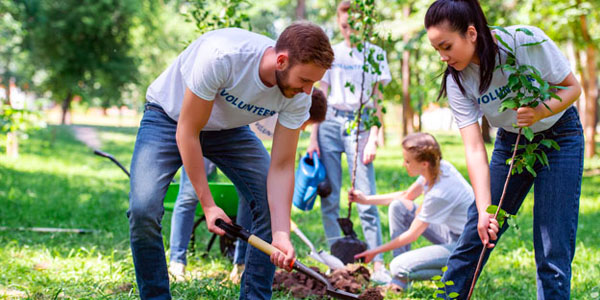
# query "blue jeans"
(333, 140)
(422, 263)
(556, 208)
(238, 153)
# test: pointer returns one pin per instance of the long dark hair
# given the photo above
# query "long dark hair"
(459, 15)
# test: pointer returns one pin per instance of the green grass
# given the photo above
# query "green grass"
(58, 182)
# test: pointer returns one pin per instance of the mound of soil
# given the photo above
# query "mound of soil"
(350, 279)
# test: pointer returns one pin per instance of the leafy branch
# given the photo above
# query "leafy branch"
(229, 13)
(362, 19)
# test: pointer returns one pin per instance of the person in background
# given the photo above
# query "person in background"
(331, 138)
(440, 218)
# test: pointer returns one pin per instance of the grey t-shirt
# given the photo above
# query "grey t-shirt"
(468, 108)
(448, 200)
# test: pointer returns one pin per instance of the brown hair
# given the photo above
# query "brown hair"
(425, 148)
(343, 7)
(318, 107)
(305, 43)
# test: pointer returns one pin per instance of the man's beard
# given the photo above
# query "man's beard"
(282, 83)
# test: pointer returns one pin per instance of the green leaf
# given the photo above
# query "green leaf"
(525, 31)
(436, 277)
(453, 295)
(533, 44)
(555, 144)
(504, 43)
(528, 133)
(439, 284)
(530, 169)
(449, 282)
(500, 28)
(508, 104)
(444, 269)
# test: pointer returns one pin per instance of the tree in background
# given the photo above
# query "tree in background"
(82, 46)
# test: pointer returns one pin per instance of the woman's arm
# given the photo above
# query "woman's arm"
(417, 227)
(527, 116)
(479, 173)
(385, 199)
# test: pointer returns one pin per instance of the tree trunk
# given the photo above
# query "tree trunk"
(485, 130)
(407, 111)
(301, 10)
(66, 105)
(590, 90)
(12, 144)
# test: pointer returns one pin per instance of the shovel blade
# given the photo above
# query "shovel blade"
(340, 294)
(347, 226)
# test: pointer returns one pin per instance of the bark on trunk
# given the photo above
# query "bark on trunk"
(66, 105)
(485, 130)
(301, 10)
(591, 91)
(407, 111)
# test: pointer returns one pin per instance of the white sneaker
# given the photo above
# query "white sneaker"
(177, 270)
(382, 276)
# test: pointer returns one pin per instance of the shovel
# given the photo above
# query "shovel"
(323, 257)
(236, 231)
(348, 246)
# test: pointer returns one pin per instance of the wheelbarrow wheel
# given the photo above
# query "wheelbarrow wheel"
(227, 246)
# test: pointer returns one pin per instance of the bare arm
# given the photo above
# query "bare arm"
(479, 173)
(417, 227)
(385, 199)
(195, 113)
(527, 116)
(280, 188)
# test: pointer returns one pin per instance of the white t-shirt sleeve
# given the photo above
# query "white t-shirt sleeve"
(464, 110)
(327, 78)
(435, 210)
(295, 114)
(205, 75)
(546, 57)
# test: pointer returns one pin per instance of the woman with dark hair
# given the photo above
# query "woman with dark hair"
(458, 31)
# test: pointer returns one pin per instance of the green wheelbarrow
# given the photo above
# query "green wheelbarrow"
(225, 196)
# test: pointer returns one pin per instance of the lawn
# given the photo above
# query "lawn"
(58, 182)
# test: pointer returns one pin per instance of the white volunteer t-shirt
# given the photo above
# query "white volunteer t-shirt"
(546, 57)
(348, 68)
(223, 65)
(264, 128)
(448, 200)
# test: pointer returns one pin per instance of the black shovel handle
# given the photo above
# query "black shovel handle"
(113, 159)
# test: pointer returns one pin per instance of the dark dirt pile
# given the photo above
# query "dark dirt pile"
(351, 279)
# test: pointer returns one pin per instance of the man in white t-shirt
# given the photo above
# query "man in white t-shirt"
(330, 139)
(200, 106)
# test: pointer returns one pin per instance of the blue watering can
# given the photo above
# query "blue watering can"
(309, 174)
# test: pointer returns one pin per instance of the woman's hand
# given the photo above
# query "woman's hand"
(357, 196)
(488, 228)
(527, 116)
(367, 255)
(285, 258)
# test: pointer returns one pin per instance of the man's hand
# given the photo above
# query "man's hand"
(357, 196)
(212, 213)
(283, 259)
(370, 151)
(368, 255)
(313, 146)
(488, 228)
(527, 116)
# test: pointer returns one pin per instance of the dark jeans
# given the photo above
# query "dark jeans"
(238, 153)
(556, 208)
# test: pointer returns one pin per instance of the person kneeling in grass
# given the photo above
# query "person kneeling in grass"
(440, 218)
